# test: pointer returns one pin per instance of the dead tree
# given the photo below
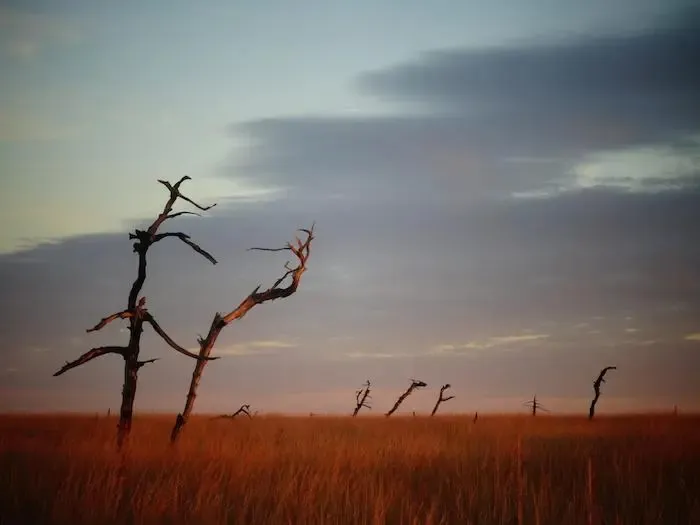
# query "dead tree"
(362, 398)
(535, 406)
(414, 385)
(244, 409)
(302, 251)
(441, 399)
(136, 311)
(596, 389)
(476, 417)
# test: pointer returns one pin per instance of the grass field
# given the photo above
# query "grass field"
(269, 470)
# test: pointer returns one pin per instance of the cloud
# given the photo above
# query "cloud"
(373, 355)
(24, 34)
(508, 341)
(692, 337)
(525, 120)
(263, 347)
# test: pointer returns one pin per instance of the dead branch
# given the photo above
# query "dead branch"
(596, 389)
(244, 409)
(124, 314)
(415, 384)
(137, 314)
(441, 399)
(186, 239)
(92, 354)
(362, 398)
(302, 251)
(157, 329)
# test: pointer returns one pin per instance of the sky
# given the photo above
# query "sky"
(506, 199)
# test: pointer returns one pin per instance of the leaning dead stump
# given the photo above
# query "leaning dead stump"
(441, 398)
(415, 384)
(596, 389)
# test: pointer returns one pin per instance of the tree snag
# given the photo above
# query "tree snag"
(362, 398)
(596, 389)
(414, 385)
(535, 406)
(441, 399)
(302, 251)
(136, 312)
(244, 409)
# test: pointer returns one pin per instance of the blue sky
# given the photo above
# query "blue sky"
(504, 196)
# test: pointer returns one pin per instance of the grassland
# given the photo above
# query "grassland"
(269, 470)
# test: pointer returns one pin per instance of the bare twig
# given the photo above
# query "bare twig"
(596, 389)
(441, 398)
(156, 327)
(415, 384)
(186, 239)
(244, 409)
(362, 398)
(302, 251)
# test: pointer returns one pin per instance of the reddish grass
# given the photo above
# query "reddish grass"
(501, 470)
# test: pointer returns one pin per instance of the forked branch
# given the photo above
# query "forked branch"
(362, 398)
(244, 409)
(441, 398)
(415, 384)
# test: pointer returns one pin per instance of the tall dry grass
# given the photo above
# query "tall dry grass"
(500, 470)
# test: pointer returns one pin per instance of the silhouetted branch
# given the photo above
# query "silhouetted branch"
(142, 363)
(244, 409)
(124, 314)
(92, 354)
(415, 384)
(441, 399)
(186, 239)
(156, 327)
(596, 389)
(362, 398)
(302, 251)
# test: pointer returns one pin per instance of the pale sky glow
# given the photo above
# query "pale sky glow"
(507, 197)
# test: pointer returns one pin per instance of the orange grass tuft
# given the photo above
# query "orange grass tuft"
(365, 470)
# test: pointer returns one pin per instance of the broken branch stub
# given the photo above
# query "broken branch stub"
(136, 312)
(302, 252)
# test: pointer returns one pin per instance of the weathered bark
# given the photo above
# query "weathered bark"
(362, 398)
(596, 389)
(441, 399)
(302, 251)
(414, 385)
(136, 311)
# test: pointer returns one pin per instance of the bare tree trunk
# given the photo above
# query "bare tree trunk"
(414, 385)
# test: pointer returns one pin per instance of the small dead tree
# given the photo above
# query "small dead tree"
(244, 409)
(362, 398)
(535, 405)
(441, 398)
(596, 389)
(136, 312)
(414, 385)
(302, 251)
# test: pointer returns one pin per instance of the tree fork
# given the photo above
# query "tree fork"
(441, 398)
